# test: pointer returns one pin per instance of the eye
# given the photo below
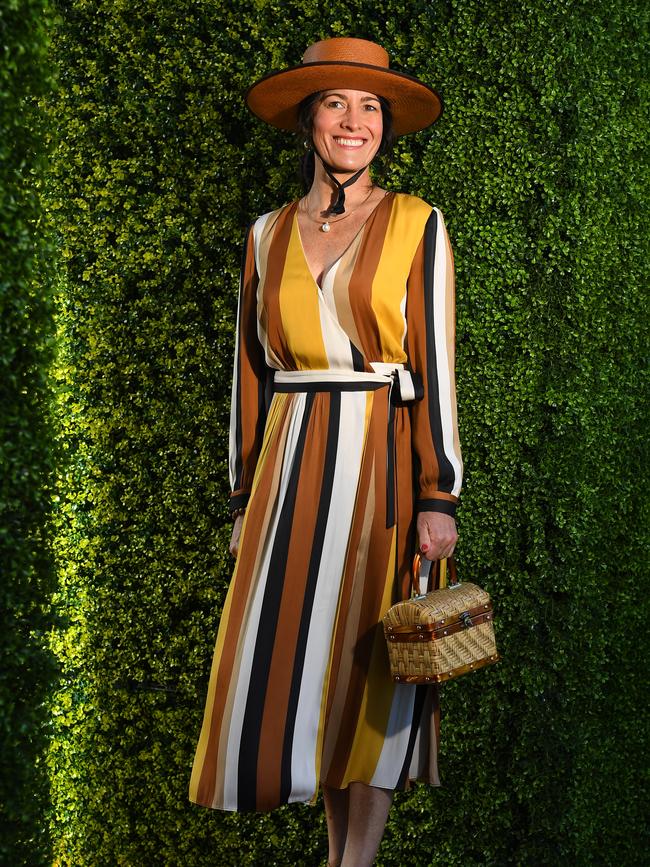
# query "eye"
(372, 107)
(332, 103)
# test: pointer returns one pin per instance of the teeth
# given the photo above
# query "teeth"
(351, 142)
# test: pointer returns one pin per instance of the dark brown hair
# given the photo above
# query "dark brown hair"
(306, 126)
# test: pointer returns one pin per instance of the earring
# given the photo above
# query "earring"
(307, 144)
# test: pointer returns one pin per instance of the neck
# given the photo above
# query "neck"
(323, 190)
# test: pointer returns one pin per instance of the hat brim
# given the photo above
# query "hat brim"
(275, 97)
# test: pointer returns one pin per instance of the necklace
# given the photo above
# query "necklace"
(326, 226)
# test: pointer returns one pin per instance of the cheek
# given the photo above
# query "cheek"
(376, 124)
(319, 122)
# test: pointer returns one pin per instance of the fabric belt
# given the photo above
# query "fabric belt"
(404, 387)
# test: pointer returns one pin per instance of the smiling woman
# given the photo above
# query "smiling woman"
(344, 454)
(346, 130)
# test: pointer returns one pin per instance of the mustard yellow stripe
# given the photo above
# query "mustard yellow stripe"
(369, 739)
(403, 234)
(299, 308)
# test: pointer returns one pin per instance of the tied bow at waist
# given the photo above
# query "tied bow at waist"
(405, 386)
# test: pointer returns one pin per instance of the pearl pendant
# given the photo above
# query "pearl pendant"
(325, 227)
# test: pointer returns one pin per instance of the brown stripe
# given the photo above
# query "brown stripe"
(417, 353)
(251, 369)
(275, 257)
(406, 529)
(360, 286)
(246, 567)
(289, 619)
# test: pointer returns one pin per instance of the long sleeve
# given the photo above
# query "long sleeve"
(249, 380)
(431, 334)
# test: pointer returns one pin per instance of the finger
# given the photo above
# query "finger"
(424, 541)
(443, 550)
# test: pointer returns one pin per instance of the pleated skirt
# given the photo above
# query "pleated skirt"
(300, 693)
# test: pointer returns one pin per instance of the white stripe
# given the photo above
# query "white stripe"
(258, 228)
(260, 263)
(406, 385)
(386, 367)
(326, 594)
(337, 343)
(382, 371)
(258, 231)
(424, 761)
(396, 739)
(442, 356)
(250, 627)
(300, 376)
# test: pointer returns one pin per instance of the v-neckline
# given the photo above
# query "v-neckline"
(388, 194)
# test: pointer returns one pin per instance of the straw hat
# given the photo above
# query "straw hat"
(344, 62)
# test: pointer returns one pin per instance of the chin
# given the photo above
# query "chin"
(352, 163)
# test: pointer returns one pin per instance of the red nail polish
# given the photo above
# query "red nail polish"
(424, 547)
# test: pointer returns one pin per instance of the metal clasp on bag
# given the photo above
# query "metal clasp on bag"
(466, 619)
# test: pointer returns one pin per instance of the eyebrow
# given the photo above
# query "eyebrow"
(333, 93)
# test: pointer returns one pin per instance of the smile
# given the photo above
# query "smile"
(349, 142)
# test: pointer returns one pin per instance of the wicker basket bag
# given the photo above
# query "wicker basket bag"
(439, 635)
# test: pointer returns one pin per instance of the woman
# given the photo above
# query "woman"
(344, 451)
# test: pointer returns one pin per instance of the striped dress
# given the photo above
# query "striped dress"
(343, 426)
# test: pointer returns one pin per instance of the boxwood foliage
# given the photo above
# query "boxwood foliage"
(27, 576)
(538, 165)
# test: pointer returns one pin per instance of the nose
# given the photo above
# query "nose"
(352, 117)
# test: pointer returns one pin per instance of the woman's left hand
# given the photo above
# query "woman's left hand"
(436, 531)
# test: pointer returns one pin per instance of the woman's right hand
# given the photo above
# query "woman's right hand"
(236, 532)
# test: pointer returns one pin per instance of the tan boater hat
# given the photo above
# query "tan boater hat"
(357, 64)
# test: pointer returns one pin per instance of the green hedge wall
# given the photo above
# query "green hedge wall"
(27, 454)
(538, 165)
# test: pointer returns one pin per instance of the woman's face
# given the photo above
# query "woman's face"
(347, 128)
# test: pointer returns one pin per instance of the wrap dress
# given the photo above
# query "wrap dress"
(343, 427)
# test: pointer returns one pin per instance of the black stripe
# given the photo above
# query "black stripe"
(241, 332)
(238, 500)
(445, 469)
(434, 505)
(324, 507)
(357, 358)
(418, 705)
(252, 722)
(369, 385)
(390, 468)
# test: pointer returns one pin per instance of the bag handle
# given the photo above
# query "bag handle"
(435, 566)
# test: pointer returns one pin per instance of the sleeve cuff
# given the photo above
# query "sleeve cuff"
(446, 506)
(238, 499)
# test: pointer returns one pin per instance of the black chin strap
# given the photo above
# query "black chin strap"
(339, 205)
